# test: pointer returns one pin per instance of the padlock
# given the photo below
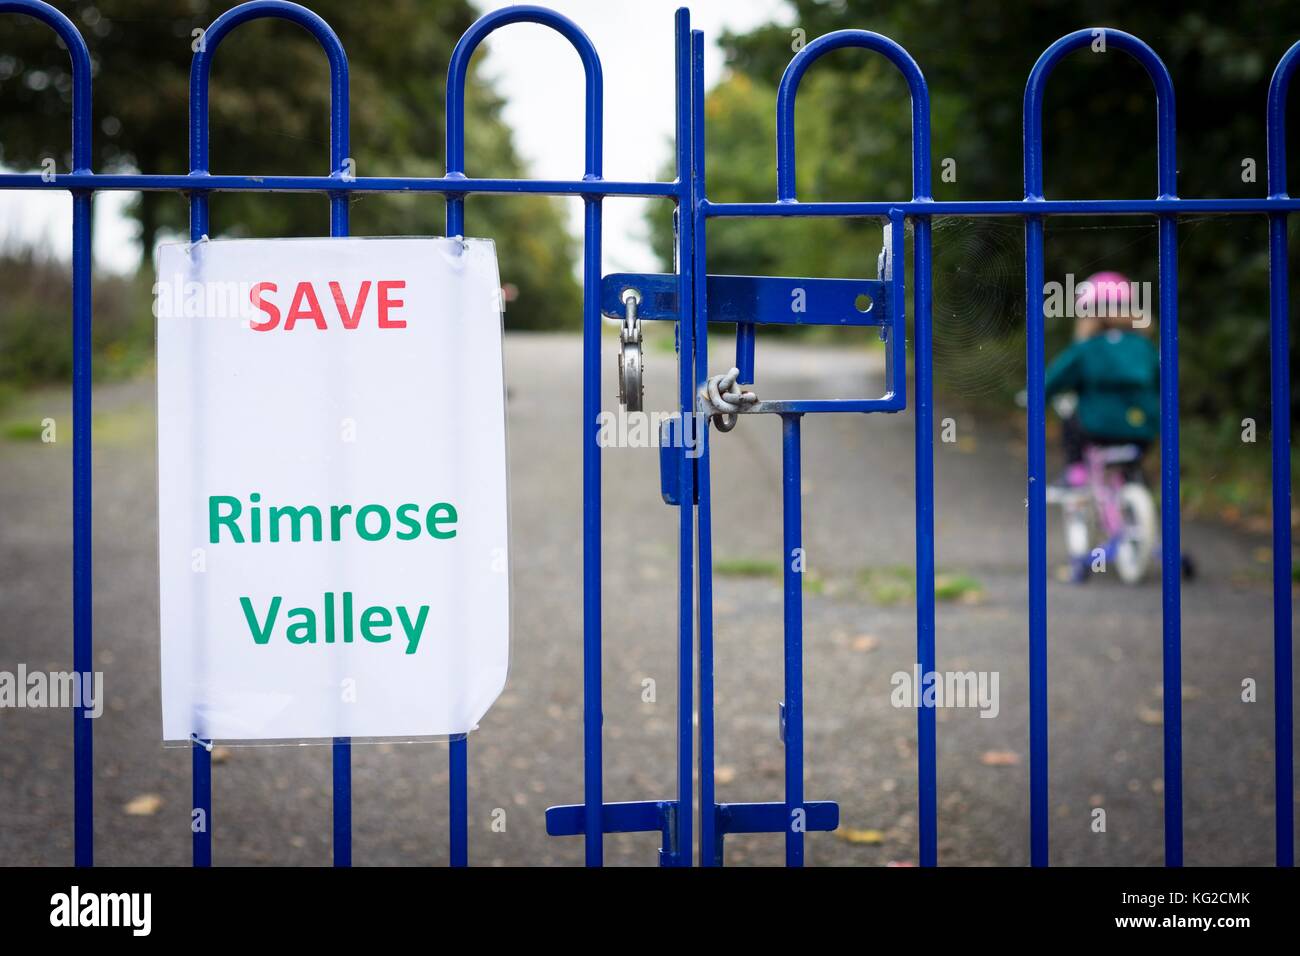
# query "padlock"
(631, 356)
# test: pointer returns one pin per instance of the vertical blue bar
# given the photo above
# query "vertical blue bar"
(200, 756)
(1171, 546)
(1280, 402)
(457, 747)
(1036, 502)
(710, 839)
(1280, 447)
(696, 269)
(342, 747)
(342, 754)
(458, 790)
(201, 782)
(681, 850)
(593, 718)
(745, 352)
(792, 734)
(927, 748)
(896, 369)
(82, 585)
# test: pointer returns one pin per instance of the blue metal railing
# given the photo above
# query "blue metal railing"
(591, 629)
(82, 585)
(1171, 551)
(1166, 207)
(675, 818)
(200, 76)
(799, 817)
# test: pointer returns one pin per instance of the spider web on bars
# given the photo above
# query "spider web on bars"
(979, 293)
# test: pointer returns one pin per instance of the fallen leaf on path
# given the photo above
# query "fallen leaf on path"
(1151, 716)
(863, 837)
(865, 642)
(1000, 758)
(145, 805)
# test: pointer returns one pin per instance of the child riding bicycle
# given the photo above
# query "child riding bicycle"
(1112, 369)
(1114, 374)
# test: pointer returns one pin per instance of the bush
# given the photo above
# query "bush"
(36, 322)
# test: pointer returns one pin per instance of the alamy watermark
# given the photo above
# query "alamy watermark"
(179, 297)
(133, 911)
(56, 689)
(974, 689)
(625, 429)
(1102, 300)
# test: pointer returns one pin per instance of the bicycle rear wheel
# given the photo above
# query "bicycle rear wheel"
(1137, 540)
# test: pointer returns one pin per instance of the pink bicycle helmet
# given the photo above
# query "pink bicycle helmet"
(1103, 294)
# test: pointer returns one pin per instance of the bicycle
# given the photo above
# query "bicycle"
(1111, 519)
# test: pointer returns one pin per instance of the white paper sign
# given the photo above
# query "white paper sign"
(332, 488)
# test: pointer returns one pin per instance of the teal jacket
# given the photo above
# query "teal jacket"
(1117, 378)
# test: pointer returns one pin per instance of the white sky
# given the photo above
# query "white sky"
(541, 78)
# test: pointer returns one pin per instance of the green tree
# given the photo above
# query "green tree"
(270, 115)
(854, 141)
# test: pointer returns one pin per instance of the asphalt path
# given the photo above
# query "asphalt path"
(272, 805)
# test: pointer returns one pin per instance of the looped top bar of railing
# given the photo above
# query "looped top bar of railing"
(1167, 171)
(81, 89)
(200, 76)
(590, 818)
(866, 40)
(201, 68)
(82, 364)
(458, 71)
(1278, 88)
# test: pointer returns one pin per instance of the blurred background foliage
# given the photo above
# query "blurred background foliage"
(854, 142)
(270, 115)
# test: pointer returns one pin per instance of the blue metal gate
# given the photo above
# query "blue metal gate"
(691, 299)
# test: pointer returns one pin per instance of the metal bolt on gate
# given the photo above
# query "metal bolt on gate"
(691, 299)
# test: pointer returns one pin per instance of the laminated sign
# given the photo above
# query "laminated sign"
(332, 488)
